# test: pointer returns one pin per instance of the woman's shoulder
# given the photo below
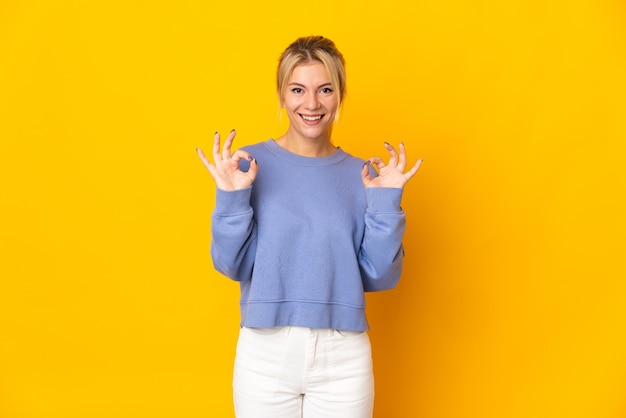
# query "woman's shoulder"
(349, 158)
(262, 145)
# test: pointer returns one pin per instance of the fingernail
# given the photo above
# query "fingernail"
(250, 158)
(368, 162)
(402, 143)
(232, 130)
(386, 143)
(216, 132)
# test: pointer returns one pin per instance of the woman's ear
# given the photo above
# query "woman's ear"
(280, 108)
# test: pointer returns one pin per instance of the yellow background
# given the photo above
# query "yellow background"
(513, 297)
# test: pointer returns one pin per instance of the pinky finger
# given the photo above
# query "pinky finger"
(203, 157)
(205, 160)
(414, 169)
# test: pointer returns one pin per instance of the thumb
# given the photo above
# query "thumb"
(254, 167)
(365, 172)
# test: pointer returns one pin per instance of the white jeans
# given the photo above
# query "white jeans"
(293, 372)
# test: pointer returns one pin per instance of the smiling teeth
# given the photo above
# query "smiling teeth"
(311, 118)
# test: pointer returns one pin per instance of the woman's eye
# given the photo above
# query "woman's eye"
(296, 90)
(327, 90)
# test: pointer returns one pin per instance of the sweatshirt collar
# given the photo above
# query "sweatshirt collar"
(334, 158)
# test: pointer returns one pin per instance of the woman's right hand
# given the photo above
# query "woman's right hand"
(226, 170)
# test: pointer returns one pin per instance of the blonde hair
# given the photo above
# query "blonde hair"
(310, 49)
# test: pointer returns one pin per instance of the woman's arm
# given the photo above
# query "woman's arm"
(233, 246)
(381, 252)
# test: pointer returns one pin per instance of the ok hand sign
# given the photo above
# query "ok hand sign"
(226, 170)
(392, 174)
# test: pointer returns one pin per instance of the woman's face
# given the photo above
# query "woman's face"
(310, 101)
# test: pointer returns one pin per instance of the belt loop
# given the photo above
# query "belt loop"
(286, 331)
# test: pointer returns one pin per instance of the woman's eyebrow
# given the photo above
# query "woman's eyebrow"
(294, 83)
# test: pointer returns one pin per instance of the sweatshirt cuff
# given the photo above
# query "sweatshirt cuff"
(233, 202)
(383, 199)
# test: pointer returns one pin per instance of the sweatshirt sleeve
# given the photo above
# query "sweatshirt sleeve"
(234, 234)
(381, 253)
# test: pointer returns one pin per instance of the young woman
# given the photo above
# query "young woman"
(306, 229)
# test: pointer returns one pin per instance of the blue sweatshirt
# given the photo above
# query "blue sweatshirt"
(307, 239)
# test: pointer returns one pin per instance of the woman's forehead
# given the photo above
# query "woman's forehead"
(310, 72)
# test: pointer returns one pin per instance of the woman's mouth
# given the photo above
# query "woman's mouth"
(311, 118)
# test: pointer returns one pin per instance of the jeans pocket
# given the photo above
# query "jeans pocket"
(347, 333)
(263, 331)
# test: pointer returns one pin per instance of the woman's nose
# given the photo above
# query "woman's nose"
(312, 101)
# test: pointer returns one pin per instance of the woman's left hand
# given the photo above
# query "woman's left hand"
(392, 174)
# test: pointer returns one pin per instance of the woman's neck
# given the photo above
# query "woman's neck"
(319, 147)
